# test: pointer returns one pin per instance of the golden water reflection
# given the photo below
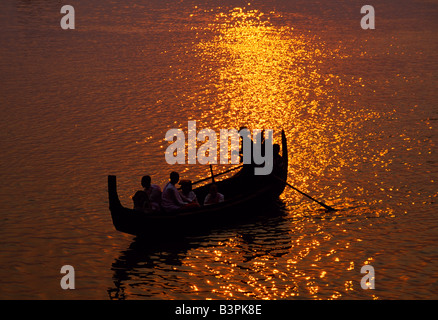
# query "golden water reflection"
(261, 75)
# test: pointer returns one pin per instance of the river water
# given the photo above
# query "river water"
(359, 108)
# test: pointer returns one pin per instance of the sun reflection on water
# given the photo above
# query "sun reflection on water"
(266, 76)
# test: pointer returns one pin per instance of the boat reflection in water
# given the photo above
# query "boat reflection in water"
(160, 268)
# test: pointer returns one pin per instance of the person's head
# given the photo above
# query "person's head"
(213, 189)
(186, 186)
(174, 177)
(276, 148)
(146, 181)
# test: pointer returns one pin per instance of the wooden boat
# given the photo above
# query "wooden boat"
(244, 194)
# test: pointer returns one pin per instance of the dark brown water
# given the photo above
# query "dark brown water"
(359, 107)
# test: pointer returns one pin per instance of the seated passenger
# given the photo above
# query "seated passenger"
(214, 196)
(141, 202)
(170, 198)
(187, 194)
(153, 192)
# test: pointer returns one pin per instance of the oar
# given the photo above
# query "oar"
(212, 175)
(305, 194)
(216, 175)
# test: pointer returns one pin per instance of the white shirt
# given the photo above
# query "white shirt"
(188, 198)
(171, 199)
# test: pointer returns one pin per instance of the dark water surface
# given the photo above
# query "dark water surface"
(359, 107)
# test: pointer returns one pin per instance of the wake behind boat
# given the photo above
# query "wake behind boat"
(244, 195)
